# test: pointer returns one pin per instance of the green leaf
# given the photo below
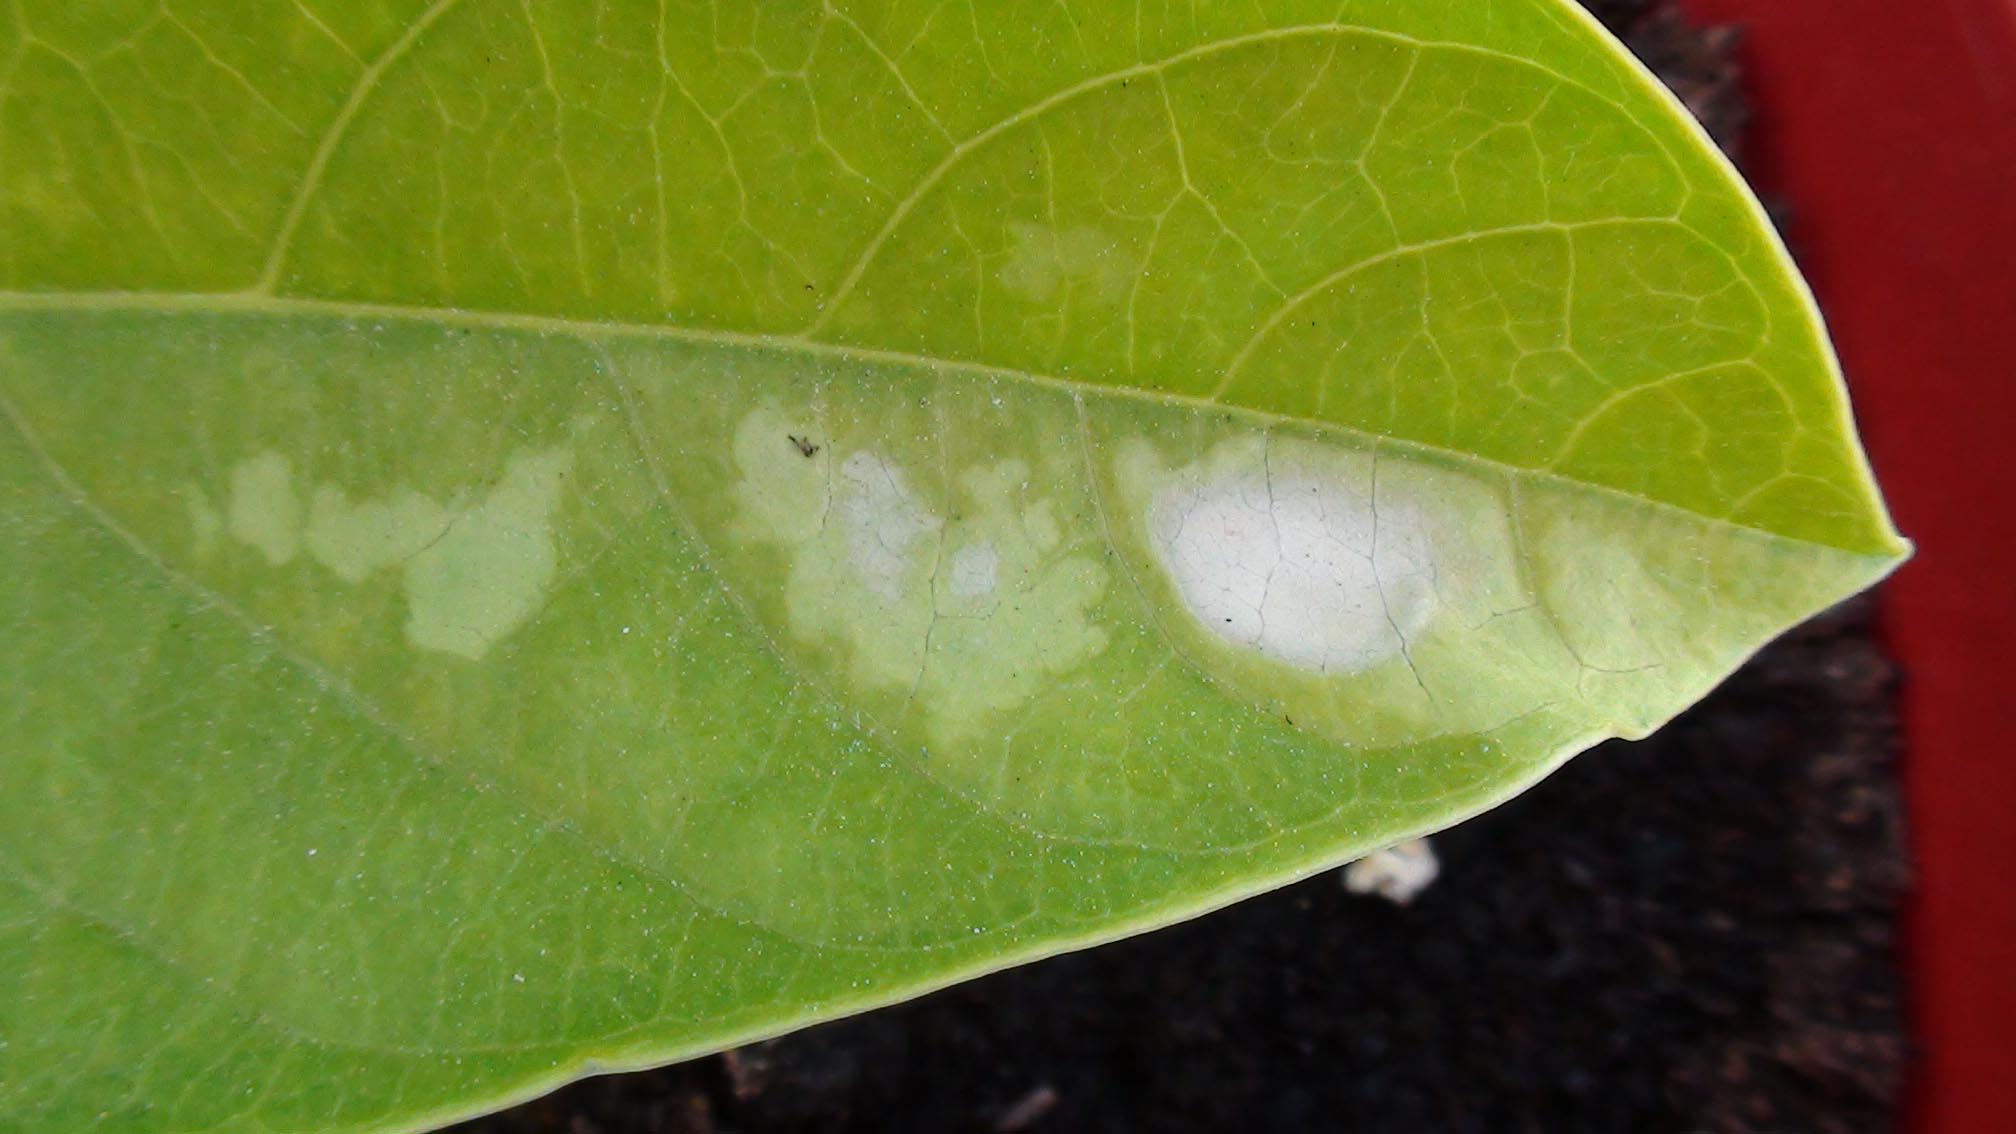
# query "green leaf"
(538, 538)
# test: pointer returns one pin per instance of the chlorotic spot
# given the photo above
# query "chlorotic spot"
(1305, 567)
(265, 511)
(205, 525)
(1079, 260)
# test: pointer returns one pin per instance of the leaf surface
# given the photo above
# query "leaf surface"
(542, 538)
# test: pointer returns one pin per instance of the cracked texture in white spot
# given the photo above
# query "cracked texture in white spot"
(882, 518)
(1300, 567)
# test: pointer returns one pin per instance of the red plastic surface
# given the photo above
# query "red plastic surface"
(1889, 126)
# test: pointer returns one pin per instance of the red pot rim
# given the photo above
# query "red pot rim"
(1887, 128)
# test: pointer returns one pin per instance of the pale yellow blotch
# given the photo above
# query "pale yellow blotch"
(489, 570)
(471, 573)
(1012, 605)
(356, 540)
(960, 617)
(265, 511)
(1046, 261)
(783, 495)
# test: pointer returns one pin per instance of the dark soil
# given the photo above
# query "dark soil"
(1695, 932)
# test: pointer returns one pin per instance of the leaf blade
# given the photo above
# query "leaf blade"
(488, 567)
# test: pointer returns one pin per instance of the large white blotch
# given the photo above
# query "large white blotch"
(1305, 565)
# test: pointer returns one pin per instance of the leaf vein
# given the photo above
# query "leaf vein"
(339, 127)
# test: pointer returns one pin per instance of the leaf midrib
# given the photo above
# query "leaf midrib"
(242, 303)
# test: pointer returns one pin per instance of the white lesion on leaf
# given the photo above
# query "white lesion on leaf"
(1296, 561)
(884, 522)
(959, 597)
(1278, 564)
(974, 570)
